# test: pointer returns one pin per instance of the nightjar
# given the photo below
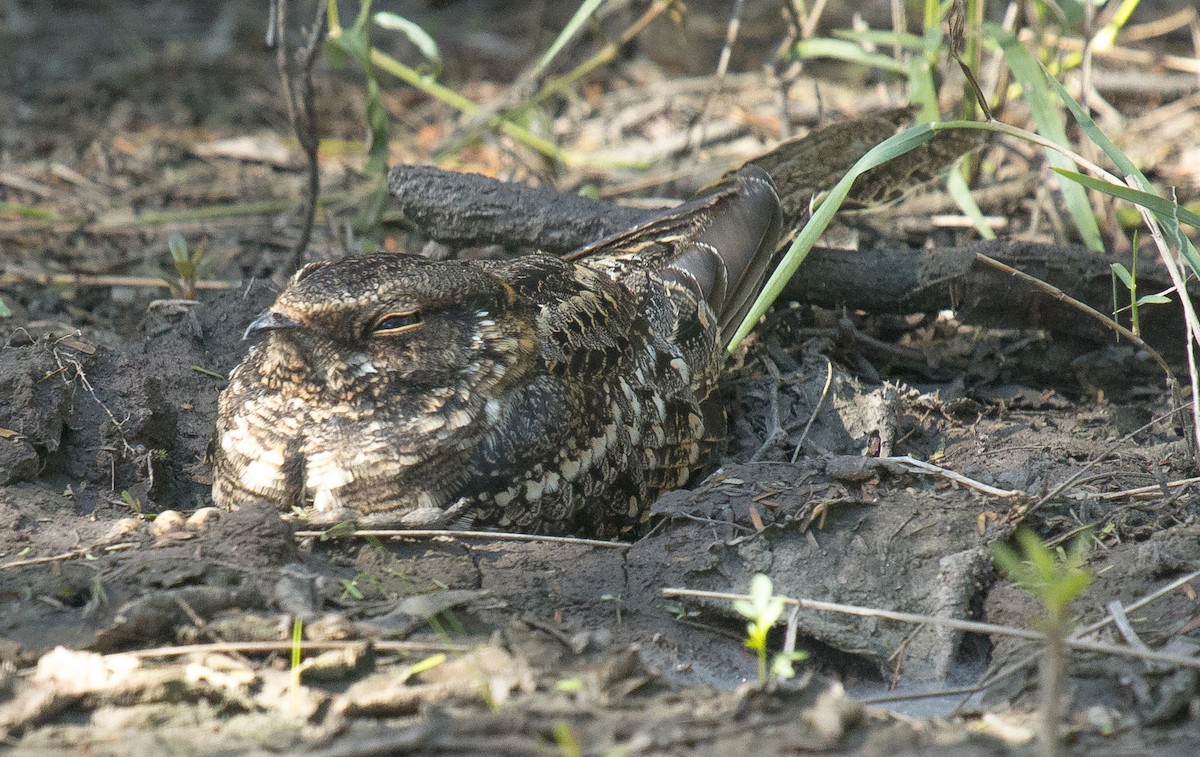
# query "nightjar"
(537, 394)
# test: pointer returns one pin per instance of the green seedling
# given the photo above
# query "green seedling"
(680, 612)
(132, 502)
(618, 604)
(187, 265)
(568, 685)
(1055, 578)
(764, 610)
(352, 588)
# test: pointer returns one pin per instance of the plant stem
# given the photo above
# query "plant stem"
(455, 100)
(1053, 676)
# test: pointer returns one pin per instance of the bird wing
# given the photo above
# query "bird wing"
(720, 245)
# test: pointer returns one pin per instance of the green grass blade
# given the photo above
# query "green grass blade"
(883, 37)
(1152, 202)
(1125, 167)
(891, 147)
(840, 49)
(570, 30)
(1029, 73)
(956, 185)
(1107, 35)
(1119, 159)
(1168, 212)
(420, 38)
(28, 211)
(921, 88)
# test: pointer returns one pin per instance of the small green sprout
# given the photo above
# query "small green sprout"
(680, 612)
(1055, 578)
(187, 265)
(566, 739)
(132, 502)
(296, 668)
(618, 603)
(781, 664)
(763, 610)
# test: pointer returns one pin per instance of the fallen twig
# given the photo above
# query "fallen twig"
(497, 535)
(1148, 492)
(919, 466)
(100, 280)
(969, 626)
(1015, 667)
(74, 554)
(287, 646)
(1067, 299)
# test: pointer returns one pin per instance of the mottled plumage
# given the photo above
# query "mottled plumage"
(536, 394)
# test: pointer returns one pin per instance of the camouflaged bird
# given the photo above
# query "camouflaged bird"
(535, 394)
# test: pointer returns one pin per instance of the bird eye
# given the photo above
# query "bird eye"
(395, 323)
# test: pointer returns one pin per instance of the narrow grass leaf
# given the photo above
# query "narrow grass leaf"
(1123, 274)
(420, 38)
(882, 37)
(897, 144)
(1126, 168)
(27, 211)
(1168, 212)
(839, 49)
(956, 185)
(921, 88)
(1050, 125)
(1107, 35)
(570, 30)
(178, 247)
(1158, 205)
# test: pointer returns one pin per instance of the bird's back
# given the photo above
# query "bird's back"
(633, 332)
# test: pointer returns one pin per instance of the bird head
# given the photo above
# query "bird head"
(387, 323)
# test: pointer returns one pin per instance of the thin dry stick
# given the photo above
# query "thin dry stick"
(83, 279)
(286, 646)
(1072, 480)
(919, 695)
(497, 116)
(1065, 298)
(696, 128)
(1107, 620)
(497, 535)
(1136, 58)
(298, 94)
(1189, 314)
(919, 466)
(1158, 27)
(1152, 491)
(816, 409)
(970, 626)
(522, 88)
(72, 555)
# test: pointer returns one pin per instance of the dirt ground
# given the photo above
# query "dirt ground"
(874, 458)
